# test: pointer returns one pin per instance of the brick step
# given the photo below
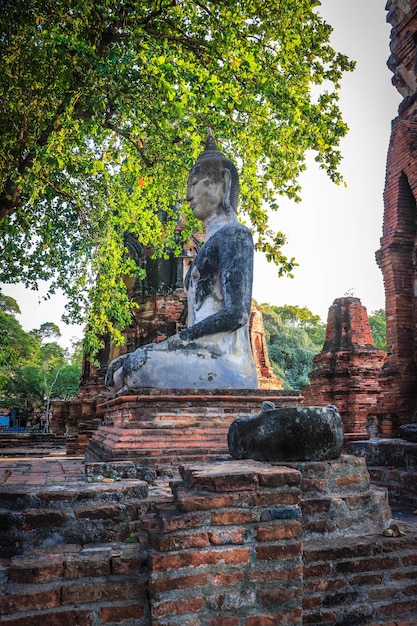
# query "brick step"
(69, 562)
(351, 512)
(21, 497)
(31, 440)
(153, 450)
(161, 442)
(70, 584)
(98, 512)
(401, 483)
(164, 462)
(202, 430)
(179, 421)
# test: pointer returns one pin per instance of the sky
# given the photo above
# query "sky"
(334, 232)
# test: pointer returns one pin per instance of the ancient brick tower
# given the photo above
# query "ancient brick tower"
(347, 369)
(397, 256)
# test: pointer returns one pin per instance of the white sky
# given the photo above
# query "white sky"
(334, 232)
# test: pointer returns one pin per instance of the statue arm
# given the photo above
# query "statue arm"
(236, 275)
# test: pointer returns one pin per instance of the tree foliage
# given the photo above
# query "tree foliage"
(33, 369)
(294, 336)
(378, 324)
(104, 107)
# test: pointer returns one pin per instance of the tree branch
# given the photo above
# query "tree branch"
(58, 191)
(135, 144)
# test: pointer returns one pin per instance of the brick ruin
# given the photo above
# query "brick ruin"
(241, 543)
(397, 256)
(351, 381)
(347, 370)
(228, 544)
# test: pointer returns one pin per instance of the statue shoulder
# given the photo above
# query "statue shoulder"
(235, 230)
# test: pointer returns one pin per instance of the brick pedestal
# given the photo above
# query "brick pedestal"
(229, 552)
(161, 428)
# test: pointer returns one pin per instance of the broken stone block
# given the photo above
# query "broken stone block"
(288, 434)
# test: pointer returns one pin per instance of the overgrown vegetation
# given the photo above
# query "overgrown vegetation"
(378, 324)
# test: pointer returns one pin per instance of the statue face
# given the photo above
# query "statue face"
(204, 195)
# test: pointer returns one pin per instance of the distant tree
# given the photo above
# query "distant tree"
(8, 304)
(76, 354)
(378, 324)
(33, 371)
(16, 346)
(46, 331)
(294, 336)
(67, 382)
(105, 104)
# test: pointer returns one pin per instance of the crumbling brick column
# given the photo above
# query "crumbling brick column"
(397, 255)
(347, 369)
(229, 551)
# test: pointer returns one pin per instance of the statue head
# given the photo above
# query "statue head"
(216, 166)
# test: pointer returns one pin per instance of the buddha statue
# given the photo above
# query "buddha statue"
(214, 351)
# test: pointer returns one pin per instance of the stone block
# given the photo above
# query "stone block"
(118, 614)
(178, 541)
(44, 518)
(278, 532)
(177, 607)
(36, 568)
(85, 565)
(291, 434)
(161, 585)
(278, 552)
(23, 598)
(228, 536)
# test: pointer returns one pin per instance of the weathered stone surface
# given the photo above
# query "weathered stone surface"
(409, 432)
(293, 434)
(389, 452)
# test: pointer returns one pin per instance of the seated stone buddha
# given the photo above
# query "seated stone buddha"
(214, 351)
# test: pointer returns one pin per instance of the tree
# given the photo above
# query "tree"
(16, 346)
(33, 370)
(294, 336)
(378, 324)
(105, 105)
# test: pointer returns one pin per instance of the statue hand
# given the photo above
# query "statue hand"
(113, 367)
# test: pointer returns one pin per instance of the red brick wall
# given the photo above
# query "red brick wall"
(227, 550)
(368, 580)
(397, 254)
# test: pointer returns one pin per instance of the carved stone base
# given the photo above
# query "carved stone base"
(162, 428)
